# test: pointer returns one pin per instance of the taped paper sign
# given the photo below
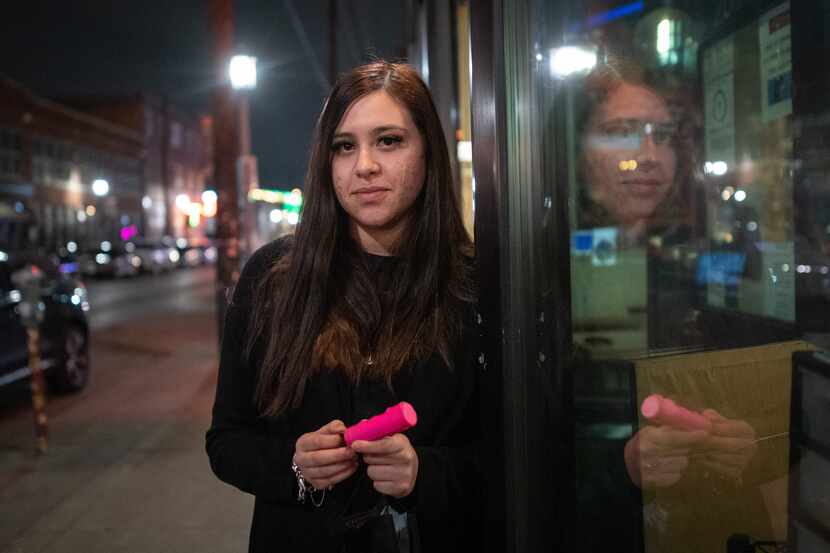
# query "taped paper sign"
(719, 92)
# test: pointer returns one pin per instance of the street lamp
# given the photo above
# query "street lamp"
(242, 72)
(243, 76)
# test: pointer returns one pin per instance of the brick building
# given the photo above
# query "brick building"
(178, 154)
(50, 155)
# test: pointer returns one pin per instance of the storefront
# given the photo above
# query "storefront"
(652, 221)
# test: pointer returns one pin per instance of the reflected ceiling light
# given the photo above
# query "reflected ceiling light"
(740, 196)
(569, 60)
(146, 202)
(664, 38)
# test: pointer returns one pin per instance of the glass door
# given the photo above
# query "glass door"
(664, 248)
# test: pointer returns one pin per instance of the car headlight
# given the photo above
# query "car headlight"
(79, 297)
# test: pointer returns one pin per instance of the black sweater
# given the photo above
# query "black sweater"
(254, 454)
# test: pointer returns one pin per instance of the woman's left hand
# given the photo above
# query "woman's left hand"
(392, 464)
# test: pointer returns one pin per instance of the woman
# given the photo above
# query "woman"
(369, 304)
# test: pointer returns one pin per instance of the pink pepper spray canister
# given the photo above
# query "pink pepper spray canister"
(663, 411)
(397, 418)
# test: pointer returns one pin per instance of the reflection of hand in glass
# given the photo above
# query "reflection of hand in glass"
(730, 447)
(658, 456)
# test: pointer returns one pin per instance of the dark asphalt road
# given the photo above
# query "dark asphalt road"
(121, 300)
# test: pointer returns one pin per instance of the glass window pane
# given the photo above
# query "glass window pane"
(670, 159)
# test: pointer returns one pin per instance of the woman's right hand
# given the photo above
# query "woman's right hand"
(323, 457)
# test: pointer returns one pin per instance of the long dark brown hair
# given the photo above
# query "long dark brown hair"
(318, 307)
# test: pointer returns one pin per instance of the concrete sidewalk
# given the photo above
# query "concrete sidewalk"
(126, 469)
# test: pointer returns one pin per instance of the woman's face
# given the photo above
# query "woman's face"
(630, 161)
(378, 169)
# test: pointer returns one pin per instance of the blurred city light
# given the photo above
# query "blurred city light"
(209, 209)
(628, 165)
(465, 150)
(242, 72)
(717, 168)
(209, 197)
(100, 187)
(128, 232)
(275, 215)
(90, 210)
(569, 60)
(71, 247)
(194, 214)
(146, 202)
(106, 246)
(183, 202)
(740, 196)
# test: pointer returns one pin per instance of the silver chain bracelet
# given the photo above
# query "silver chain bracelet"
(304, 486)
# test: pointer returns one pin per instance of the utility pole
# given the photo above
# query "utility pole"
(225, 144)
(332, 42)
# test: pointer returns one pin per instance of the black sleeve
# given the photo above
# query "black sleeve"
(242, 451)
(450, 481)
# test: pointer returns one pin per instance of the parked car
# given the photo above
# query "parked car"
(109, 259)
(64, 332)
(66, 257)
(155, 256)
(195, 252)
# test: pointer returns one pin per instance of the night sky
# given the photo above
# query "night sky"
(97, 47)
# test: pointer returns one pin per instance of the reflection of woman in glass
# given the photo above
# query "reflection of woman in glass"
(635, 170)
(635, 160)
(629, 162)
(635, 167)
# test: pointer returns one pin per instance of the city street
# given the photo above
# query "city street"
(126, 469)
